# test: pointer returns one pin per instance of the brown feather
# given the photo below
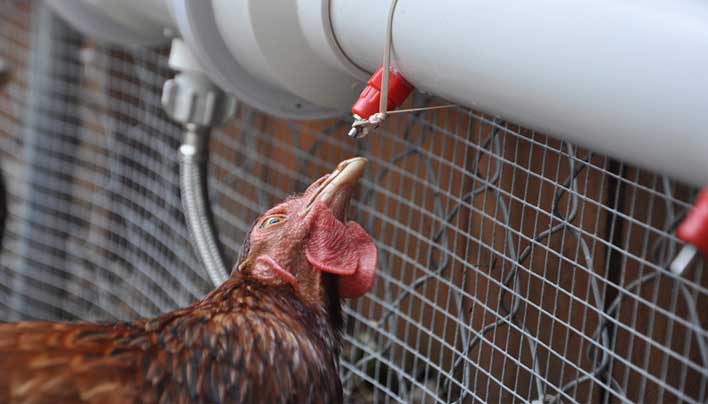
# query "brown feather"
(244, 342)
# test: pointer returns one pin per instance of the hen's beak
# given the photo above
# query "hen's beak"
(346, 175)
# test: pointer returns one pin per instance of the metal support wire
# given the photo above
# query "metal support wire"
(614, 226)
(55, 53)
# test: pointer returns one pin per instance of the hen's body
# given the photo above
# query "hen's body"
(269, 334)
(244, 342)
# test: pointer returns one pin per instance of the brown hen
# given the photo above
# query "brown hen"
(269, 334)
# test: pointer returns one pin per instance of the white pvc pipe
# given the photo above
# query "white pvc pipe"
(628, 78)
(136, 14)
(125, 22)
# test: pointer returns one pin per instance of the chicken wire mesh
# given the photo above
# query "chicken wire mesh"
(513, 266)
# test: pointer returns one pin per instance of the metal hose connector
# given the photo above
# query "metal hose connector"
(193, 100)
(193, 157)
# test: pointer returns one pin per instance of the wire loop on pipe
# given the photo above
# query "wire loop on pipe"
(361, 126)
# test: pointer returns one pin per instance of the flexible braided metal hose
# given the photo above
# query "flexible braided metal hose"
(193, 157)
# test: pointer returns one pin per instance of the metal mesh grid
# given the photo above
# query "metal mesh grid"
(513, 267)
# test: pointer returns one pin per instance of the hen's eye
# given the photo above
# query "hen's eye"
(272, 220)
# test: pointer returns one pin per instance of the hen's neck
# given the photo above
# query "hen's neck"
(278, 306)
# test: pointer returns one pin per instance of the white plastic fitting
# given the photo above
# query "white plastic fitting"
(191, 98)
(197, 23)
(269, 40)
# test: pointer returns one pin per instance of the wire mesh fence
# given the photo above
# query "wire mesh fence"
(513, 266)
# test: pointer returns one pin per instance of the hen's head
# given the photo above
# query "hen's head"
(307, 235)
